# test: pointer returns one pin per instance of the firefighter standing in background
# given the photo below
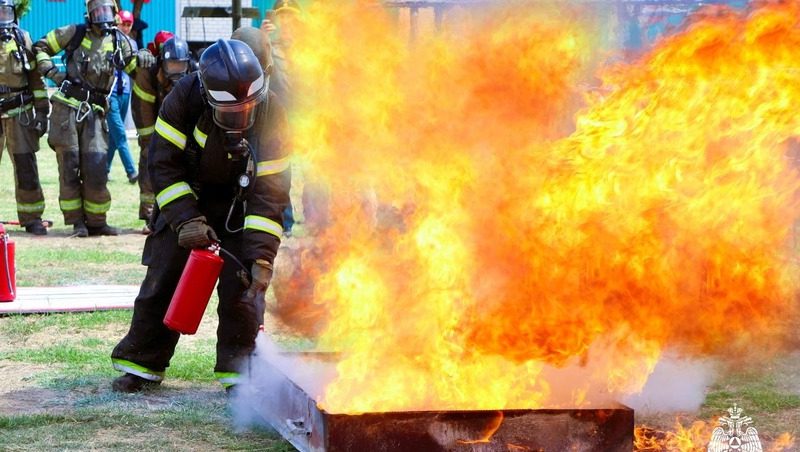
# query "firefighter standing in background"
(149, 90)
(23, 115)
(78, 129)
(217, 163)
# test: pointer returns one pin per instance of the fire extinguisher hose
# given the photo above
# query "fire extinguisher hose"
(238, 262)
(4, 239)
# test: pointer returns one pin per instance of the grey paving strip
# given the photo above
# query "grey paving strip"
(32, 300)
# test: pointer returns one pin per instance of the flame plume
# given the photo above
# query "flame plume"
(493, 220)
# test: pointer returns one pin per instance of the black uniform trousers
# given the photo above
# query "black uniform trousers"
(151, 344)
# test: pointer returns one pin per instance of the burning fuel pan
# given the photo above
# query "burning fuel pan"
(295, 415)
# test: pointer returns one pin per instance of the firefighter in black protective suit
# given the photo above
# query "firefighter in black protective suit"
(217, 163)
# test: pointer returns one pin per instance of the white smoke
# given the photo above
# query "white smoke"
(265, 382)
(675, 385)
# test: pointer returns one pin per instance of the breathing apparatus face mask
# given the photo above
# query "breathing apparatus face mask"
(175, 69)
(103, 18)
(6, 16)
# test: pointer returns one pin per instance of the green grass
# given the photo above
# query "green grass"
(72, 375)
(18, 327)
(177, 427)
(756, 390)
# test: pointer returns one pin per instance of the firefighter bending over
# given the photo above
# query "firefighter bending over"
(23, 116)
(150, 88)
(78, 129)
(216, 162)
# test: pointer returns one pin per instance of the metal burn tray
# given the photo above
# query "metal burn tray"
(295, 415)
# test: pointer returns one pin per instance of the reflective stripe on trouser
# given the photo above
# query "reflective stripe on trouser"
(22, 145)
(82, 152)
(146, 196)
(136, 369)
(228, 379)
(149, 343)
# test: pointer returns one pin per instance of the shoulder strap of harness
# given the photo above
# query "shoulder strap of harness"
(74, 42)
(21, 54)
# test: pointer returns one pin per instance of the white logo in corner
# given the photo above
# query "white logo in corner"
(730, 437)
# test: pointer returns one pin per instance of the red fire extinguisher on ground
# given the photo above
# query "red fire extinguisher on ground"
(8, 277)
(194, 289)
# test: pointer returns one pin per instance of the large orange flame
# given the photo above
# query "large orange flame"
(495, 222)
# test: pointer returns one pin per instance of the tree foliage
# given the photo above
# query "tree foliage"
(21, 7)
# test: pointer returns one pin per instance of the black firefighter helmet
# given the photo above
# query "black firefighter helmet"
(233, 83)
(175, 57)
(8, 16)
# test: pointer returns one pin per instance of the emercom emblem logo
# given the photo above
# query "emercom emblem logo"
(734, 435)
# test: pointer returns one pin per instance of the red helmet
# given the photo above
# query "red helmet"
(125, 16)
(161, 37)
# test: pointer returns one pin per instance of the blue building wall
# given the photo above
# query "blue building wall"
(46, 15)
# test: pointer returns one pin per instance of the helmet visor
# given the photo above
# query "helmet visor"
(103, 14)
(241, 118)
(232, 115)
(175, 69)
(6, 15)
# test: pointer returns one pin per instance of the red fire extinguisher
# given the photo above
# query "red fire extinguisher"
(8, 278)
(194, 289)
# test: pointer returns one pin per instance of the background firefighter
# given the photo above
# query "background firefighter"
(79, 133)
(150, 88)
(216, 128)
(118, 103)
(23, 115)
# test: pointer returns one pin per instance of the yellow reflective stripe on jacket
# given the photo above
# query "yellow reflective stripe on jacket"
(228, 378)
(131, 66)
(173, 192)
(170, 133)
(268, 167)
(144, 131)
(133, 368)
(148, 198)
(108, 46)
(74, 103)
(11, 46)
(69, 204)
(41, 56)
(33, 207)
(86, 43)
(97, 208)
(200, 137)
(142, 94)
(15, 111)
(264, 224)
(53, 42)
(39, 94)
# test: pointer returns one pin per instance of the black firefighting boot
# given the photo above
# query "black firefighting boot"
(79, 229)
(102, 230)
(132, 383)
(36, 227)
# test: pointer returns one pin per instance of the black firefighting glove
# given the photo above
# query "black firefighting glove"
(261, 274)
(145, 59)
(39, 124)
(196, 233)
